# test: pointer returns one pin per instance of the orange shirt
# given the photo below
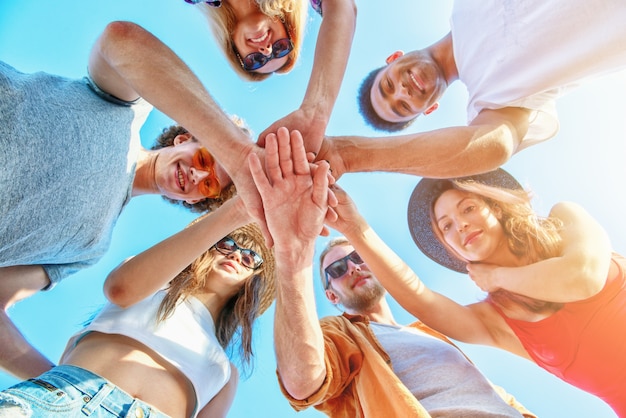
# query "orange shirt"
(359, 379)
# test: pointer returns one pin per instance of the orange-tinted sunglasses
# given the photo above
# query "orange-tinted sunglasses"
(210, 185)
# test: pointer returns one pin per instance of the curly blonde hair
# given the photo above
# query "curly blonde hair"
(293, 14)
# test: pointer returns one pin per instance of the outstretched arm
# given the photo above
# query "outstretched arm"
(144, 274)
(578, 273)
(332, 50)
(296, 202)
(487, 143)
(127, 61)
(18, 356)
(472, 323)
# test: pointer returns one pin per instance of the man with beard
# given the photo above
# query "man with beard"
(361, 363)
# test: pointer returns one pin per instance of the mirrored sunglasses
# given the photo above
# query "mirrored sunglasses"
(256, 60)
(338, 268)
(249, 258)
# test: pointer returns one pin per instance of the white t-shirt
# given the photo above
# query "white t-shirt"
(527, 53)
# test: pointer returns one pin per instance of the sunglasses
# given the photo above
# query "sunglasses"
(214, 3)
(256, 60)
(249, 258)
(338, 268)
(210, 185)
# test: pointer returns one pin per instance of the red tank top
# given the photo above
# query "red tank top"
(584, 343)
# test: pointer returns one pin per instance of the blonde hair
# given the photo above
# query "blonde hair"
(222, 21)
(530, 237)
(253, 298)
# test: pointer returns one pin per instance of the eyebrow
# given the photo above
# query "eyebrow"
(457, 205)
(394, 107)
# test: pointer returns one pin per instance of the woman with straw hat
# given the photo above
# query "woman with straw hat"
(158, 348)
(556, 291)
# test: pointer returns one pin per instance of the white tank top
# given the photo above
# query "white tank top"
(186, 339)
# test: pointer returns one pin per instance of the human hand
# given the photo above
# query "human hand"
(348, 216)
(329, 152)
(310, 126)
(295, 193)
(484, 275)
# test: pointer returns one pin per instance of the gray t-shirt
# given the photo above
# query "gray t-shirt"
(439, 375)
(68, 162)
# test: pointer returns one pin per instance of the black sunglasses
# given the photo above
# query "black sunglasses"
(256, 60)
(214, 3)
(249, 258)
(338, 268)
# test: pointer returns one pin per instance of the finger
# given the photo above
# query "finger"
(325, 231)
(258, 175)
(331, 216)
(272, 164)
(310, 156)
(284, 151)
(319, 194)
(298, 153)
(332, 198)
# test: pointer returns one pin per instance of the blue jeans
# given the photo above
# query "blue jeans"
(69, 391)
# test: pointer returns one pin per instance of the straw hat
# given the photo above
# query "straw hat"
(418, 214)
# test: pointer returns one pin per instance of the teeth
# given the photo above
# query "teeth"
(181, 179)
(416, 83)
(261, 38)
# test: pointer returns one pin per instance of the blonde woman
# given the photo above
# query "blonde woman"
(158, 349)
(556, 292)
(260, 37)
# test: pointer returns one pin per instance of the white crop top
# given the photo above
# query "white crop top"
(186, 339)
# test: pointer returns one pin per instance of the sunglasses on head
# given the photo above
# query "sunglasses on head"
(249, 258)
(214, 3)
(210, 185)
(338, 268)
(256, 60)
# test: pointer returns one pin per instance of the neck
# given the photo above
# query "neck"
(144, 182)
(379, 312)
(443, 53)
(213, 301)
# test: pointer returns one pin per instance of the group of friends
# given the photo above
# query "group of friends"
(72, 159)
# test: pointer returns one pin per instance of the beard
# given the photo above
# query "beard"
(368, 296)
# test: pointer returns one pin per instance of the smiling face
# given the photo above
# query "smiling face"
(470, 227)
(409, 85)
(358, 289)
(178, 177)
(257, 32)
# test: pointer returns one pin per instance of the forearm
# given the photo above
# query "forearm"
(332, 51)
(150, 270)
(443, 153)
(17, 356)
(298, 337)
(152, 70)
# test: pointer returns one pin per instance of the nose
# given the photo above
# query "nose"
(461, 225)
(266, 49)
(197, 175)
(235, 255)
(353, 267)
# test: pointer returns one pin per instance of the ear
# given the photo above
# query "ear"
(332, 297)
(193, 201)
(182, 138)
(432, 108)
(391, 58)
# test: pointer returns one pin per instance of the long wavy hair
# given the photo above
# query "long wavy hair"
(530, 237)
(234, 324)
(222, 21)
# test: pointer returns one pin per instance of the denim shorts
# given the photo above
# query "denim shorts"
(70, 391)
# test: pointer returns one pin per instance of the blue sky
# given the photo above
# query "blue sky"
(584, 163)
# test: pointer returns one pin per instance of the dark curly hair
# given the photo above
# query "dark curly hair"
(166, 139)
(367, 110)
